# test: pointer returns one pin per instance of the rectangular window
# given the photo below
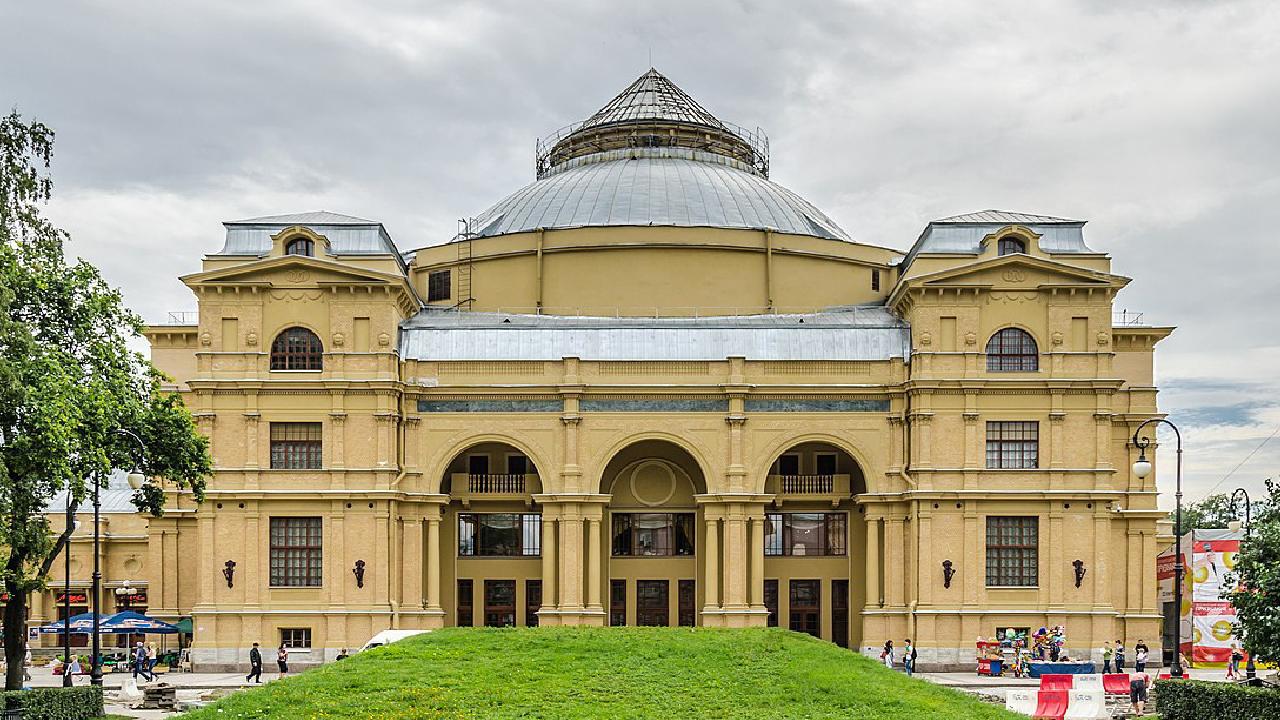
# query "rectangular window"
(499, 603)
(789, 465)
(499, 534)
(296, 446)
(296, 638)
(825, 463)
(687, 604)
(1013, 551)
(617, 603)
(532, 602)
(465, 600)
(805, 534)
(439, 285)
(297, 558)
(771, 601)
(1013, 445)
(875, 279)
(653, 534)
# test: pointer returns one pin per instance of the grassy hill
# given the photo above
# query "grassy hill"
(669, 673)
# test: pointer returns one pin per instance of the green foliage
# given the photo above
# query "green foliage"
(1215, 511)
(77, 703)
(75, 402)
(1258, 575)
(1195, 700)
(667, 673)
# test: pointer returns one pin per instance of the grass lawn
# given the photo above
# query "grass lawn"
(668, 673)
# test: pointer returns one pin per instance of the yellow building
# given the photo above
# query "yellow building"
(655, 388)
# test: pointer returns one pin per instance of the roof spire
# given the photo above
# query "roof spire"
(652, 97)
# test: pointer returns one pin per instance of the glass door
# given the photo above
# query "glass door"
(499, 603)
(806, 606)
(687, 604)
(840, 612)
(653, 603)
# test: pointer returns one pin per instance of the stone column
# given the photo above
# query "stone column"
(549, 599)
(895, 567)
(735, 560)
(593, 564)
(571, 562)
(757, 563)
(711, 586)
(874, 594)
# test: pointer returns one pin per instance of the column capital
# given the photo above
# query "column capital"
(571, 420)
(736, 420)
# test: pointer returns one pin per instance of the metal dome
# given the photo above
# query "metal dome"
(660, 187)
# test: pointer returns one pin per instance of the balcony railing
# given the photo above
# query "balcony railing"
(495, 484)
(806, 484)
(512, 486)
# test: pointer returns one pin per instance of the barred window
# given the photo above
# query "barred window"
(297, 348)
(1013, 551)
(875, 279)
(300, 246)
(296, 446)
(295, 637)
(297, 559)
(1012, 350)
(499, 534)
(438, 285)
(804, 534)
(1013, 445)
(1010, 245)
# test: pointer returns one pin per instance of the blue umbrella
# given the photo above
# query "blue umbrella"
(132, 623)
(81, 624)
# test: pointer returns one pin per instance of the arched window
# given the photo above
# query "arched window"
(306, 246)
(1010, 245)
(297, 348)
(1012, 350)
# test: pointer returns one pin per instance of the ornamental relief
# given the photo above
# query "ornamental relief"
(1013, 275)
(297, 295)
(1011, 297)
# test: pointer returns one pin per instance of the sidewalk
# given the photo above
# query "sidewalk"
(191, 686)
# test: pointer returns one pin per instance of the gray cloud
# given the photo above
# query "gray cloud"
(1154, 120)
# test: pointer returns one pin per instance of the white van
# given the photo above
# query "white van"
(386, 637)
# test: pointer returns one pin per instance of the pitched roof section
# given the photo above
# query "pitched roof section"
(1003, 217)
(317, 217)
(652, 97)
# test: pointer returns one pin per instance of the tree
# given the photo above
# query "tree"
(70, 388)
(1257, 577)
(1215, 511)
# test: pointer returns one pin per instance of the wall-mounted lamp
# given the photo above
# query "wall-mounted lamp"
(1080, 571)
(358, 571)
(229, 571)
(948, 571)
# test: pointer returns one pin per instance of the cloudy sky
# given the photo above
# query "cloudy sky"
(1157, 121)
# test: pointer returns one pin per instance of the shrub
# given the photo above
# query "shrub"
(1193, 700)
(77, 703)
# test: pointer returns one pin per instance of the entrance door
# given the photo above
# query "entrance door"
(840, 612)
(499, 603)
(806, 606)
(532, 602)
(653, 603)
(771, 601)
(687, 604)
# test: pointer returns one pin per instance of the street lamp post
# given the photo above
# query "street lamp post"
(95, 676)
(1250, 671)
(1142, 468)
(66, 597)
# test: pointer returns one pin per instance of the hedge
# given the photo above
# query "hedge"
(76, 703)
(1197, 700)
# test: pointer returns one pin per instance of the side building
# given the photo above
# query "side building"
(654, 387)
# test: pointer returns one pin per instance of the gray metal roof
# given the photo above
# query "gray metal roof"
(861, 333)
(1004, 218)
(652, 97)
(116, 497)
(656, 190)
(347, 235)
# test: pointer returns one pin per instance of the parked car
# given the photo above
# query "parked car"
(386, 637)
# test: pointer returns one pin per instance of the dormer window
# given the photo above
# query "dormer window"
(1010, 245)
(306, 246)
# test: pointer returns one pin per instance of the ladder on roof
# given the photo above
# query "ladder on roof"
(464, 265)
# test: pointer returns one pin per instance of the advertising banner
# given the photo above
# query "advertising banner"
(1212, 634)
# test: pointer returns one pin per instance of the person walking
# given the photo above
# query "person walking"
(26, 664)
(909, 658)
(255, 665)
(1119, 656)
(1233, 664)
(1106, 659)
(74, 668)
(282, 659)
(140, 663)
(1140, 658)
(886, 655)
(153, 657)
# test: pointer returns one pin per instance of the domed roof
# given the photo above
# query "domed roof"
(674, 188)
